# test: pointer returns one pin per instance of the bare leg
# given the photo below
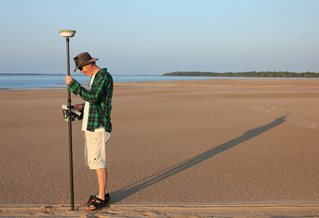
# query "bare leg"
(101, 175)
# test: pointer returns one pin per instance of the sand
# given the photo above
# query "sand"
(220, 211)
(216, 142)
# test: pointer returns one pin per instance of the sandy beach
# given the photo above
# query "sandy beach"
(215, 142)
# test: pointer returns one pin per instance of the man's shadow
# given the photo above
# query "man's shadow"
(125, 192)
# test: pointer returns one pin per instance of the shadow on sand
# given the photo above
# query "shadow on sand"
(123, 193)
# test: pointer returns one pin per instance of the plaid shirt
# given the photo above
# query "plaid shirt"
(100, 99)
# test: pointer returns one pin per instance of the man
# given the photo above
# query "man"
(96, 124)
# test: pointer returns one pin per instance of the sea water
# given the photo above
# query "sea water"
(36, 81)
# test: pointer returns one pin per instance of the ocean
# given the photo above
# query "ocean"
(38, 81)
(43, 81)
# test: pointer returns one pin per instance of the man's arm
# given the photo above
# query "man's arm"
(92, 95)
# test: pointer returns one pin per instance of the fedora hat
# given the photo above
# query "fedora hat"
(83, 59)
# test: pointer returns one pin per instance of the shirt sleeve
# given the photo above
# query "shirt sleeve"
(92, 95)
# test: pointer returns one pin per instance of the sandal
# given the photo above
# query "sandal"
(93, 197)
(107, 198)
(97, 203)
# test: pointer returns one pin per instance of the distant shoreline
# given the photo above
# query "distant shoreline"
(268, 74)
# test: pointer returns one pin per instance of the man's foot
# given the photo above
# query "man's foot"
(89, 201)
(96, 204)
(107, 198)
(93, 197)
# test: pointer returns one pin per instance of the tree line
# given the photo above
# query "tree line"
(246, 74)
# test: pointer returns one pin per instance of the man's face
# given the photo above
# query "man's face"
(86, 70)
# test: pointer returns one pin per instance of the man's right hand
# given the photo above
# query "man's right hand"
(78, 107)
(68, 79)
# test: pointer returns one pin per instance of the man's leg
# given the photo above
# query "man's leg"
(101, 175)
(96, 156)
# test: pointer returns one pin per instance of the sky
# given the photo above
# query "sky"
(153, 37)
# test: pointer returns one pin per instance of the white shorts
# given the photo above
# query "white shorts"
(94, 149)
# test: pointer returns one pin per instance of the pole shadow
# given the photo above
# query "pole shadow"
(125, 192)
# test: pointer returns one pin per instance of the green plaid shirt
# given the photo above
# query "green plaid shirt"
(100, 99)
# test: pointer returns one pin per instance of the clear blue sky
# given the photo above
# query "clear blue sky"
(154, 37)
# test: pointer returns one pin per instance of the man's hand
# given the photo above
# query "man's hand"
(68, 79)
(78, 107)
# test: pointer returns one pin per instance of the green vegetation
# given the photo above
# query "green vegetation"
(246, 74)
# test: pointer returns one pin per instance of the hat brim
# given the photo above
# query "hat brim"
(85, 63)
